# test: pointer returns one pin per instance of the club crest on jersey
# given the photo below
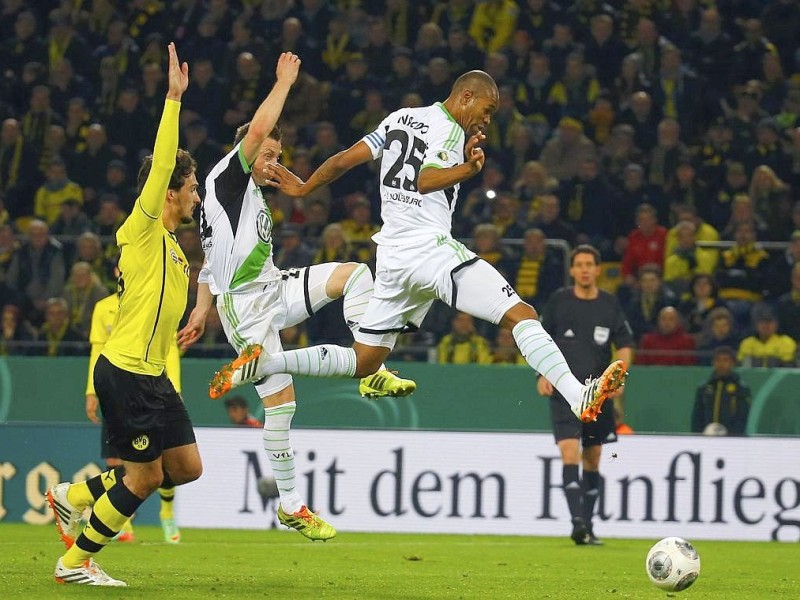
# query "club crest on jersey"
(264, 227)
(184, 265)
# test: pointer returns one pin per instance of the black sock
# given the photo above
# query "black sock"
(572, 490)
(167, 483)
(591, 490)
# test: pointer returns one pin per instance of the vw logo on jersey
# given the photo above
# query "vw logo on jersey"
(264, 227)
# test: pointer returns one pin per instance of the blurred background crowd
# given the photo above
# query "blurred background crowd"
(664, 132)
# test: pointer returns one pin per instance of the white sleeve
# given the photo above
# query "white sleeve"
(377, 138)
(205, 276)
(445, 146)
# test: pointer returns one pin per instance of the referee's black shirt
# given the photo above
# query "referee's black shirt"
(586, 329)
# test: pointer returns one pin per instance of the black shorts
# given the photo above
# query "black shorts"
(144, 414)
(567, 426)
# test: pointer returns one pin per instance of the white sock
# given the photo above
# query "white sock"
(277, 422)
(357, 292)
(326, 360)
(544, 357)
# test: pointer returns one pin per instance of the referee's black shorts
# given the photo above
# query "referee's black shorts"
(144, 415)
(567, 426)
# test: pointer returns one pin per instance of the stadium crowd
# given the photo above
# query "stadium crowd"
(664, 133)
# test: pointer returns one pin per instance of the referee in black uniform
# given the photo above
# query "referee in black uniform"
(584, 322)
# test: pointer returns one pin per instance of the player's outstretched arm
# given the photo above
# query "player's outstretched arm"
(432, 179)
(196, 325)
(333, 168)
(267, 114)
(154, 192)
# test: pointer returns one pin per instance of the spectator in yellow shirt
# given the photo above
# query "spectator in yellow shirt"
(464, 345)
(493, 24)
(703, 231)
(505, 349)
(767, 348)
(56, 190)
(687, 260)
(359, 228)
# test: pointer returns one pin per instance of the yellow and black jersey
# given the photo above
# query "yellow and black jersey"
(154, 276)
(103, 319)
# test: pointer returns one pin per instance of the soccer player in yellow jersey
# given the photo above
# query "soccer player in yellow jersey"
(103, 317)
(147, 421)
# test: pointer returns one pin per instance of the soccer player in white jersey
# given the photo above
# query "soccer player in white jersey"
(424, 158)
(255, 300)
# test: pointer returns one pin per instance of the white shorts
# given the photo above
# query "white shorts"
(257, 317)
(409, 278)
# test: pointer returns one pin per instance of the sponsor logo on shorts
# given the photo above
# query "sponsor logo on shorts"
(140, 443)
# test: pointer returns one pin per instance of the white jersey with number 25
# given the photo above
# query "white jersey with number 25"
(407, 141)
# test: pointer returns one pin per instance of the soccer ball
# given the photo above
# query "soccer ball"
(268, 488)
(672, 564)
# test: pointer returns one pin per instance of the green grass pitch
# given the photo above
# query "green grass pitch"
(282, 564)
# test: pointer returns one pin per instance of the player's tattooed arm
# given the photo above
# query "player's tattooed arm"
(333, 168)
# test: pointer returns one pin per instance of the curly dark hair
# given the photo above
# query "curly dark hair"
(184, 166)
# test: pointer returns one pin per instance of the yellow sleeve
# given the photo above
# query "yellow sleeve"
(173, 365)
(594, 90)
(744, 349)
(443, 350)
(558, 94)
(98, 336)
(707, 260)
(150, 203)
(671, 242)
(504, 25)
(484, 353)
(93, 356)
(38, 204)
(788, 350)
(477, 27)
(674, 268)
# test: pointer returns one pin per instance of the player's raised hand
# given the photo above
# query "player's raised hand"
(193, 330)
(473, 154)
(288, 67)
(282, 178)
(177, 76)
